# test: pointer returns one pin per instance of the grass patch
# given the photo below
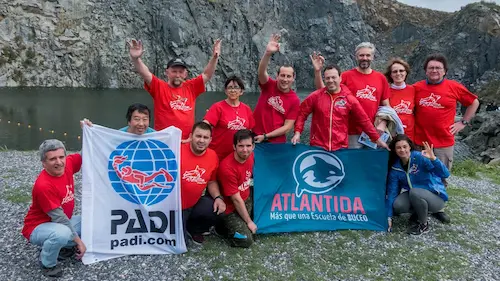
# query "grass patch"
(17, 195)
(473, 169)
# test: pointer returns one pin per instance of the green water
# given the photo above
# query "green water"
(58, 111)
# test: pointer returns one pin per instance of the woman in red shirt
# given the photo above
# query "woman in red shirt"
(402, 97)
(228, 116)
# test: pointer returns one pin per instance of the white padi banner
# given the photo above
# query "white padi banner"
(131, 201)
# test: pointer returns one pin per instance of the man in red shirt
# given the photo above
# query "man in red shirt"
(278, 104)
(333, 107)
(199, 171)
(174, 99)
(435, 108)
(49, 222)
(369, 86)
(236, 177)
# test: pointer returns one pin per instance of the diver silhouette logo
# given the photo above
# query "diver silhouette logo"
(367, 93)
(317, 172)
(180, 104)
(143, 171)
(431, 101)
(403, 107)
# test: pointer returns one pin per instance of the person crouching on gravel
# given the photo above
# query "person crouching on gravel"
(50, 222)
(418, 174)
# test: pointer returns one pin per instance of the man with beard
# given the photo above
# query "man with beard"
(278, 104)
(174, 99)
(333, 107)
(370, 87)
(50, 222)
(236, 177)
(199, 171)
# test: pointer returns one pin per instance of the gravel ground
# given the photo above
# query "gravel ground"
(466, 249)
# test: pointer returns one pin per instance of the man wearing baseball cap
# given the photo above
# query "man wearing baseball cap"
(174, 99)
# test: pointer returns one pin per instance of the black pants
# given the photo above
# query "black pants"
(200, 217)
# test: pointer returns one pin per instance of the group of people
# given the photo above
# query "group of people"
(217, 153)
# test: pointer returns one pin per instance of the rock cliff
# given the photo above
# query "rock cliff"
(74, 43)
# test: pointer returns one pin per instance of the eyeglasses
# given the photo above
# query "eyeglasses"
(233, 88)
(435, 68)
(398, 71)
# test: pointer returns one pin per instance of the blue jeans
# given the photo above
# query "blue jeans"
(52, 237)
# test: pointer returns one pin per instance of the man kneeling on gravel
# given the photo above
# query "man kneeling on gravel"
(50, 222)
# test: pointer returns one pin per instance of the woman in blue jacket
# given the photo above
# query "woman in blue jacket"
(414, 184)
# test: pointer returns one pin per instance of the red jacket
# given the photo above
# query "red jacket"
(330, 120)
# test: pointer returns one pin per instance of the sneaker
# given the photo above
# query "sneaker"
(420, 228)
(442, 217)
(66, 253)
(197, 239)
(55, 271)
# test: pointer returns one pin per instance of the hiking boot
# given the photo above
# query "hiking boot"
(66, 253)
(197, 239)
(420, 228)
(55, 271)
(442, 217)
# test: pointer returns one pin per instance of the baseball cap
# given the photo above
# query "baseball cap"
(176, 62)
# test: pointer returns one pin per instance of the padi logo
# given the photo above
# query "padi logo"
(143, 171)
(317, 172)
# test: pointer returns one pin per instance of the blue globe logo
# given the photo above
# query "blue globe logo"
(143, 171)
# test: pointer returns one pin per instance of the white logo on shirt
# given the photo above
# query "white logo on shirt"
(431, 101)
(403, 107)
(247, 183)
(367, 93)
(70, 196)
(180, 104)
(237, 124)
(276, 103)
(195, 175)
(340, 104)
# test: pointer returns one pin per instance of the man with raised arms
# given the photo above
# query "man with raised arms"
(174, 99)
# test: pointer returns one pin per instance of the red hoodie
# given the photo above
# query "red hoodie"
(330, 120)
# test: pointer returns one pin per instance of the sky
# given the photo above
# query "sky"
(443, 5)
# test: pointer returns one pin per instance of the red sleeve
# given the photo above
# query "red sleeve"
(386, 92)
(268, 85)
(213, 176)
(251, 120)
(75, 161)
(464, 96)
(359, 115)
(213, 114)
(45, 196)
(305, 109)
(197, 86)
(228, 180)
(154, 88)
(293, 110)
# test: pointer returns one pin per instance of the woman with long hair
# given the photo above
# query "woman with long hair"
(414, 183)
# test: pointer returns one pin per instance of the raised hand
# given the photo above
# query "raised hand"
(428, 151)
(135, 48)
(216, 49)
(273, 46)
(318, 61)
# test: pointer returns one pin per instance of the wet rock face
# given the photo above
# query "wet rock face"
(72, 43)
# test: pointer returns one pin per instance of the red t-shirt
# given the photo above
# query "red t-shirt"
(175, 106)
(403, 102)
(370, 90)
(50, 193)
(226, 121)
(273, 108)
(235, 177)
(196, 171)
(435, 109)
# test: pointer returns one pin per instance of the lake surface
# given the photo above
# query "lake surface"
(30, 115)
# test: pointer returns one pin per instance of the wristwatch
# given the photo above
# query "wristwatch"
(219, 197)
(265, 137)
(465, 122)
